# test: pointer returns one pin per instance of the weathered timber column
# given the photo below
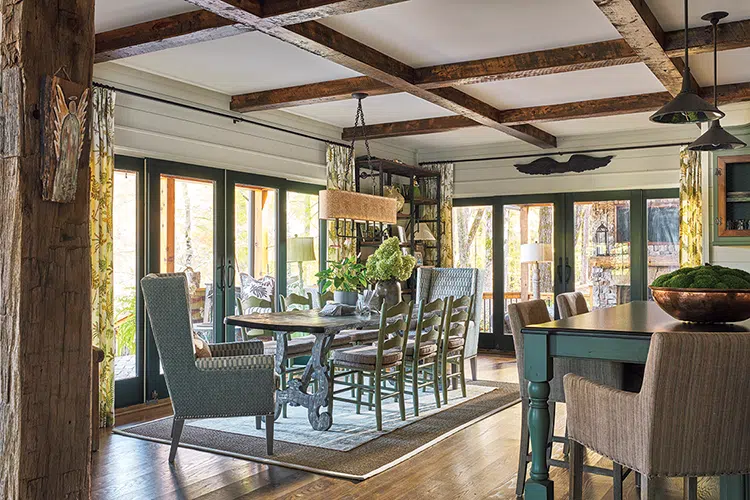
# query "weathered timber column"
(45, 310)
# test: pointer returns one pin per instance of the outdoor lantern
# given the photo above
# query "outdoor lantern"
(601, 240)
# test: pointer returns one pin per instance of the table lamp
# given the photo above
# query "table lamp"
(300, 249)
(536, 253)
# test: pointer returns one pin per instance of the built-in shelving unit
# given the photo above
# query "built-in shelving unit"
(411, 179)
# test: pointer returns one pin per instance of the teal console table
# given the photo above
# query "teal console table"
(621, 333)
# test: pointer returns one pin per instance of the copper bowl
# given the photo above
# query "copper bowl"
(704, 305)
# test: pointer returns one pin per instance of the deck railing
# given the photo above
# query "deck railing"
(488, 306)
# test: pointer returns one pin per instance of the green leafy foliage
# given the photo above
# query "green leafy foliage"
(125, 326)
(708, 276)
(346, 276)
(389, 262)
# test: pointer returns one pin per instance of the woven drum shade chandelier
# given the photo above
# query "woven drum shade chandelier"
(352, 207)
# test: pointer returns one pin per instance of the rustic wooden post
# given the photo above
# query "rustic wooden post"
(45, 278)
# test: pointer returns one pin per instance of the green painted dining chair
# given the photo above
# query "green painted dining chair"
(380, 362)
(453, 342)
(422, 351)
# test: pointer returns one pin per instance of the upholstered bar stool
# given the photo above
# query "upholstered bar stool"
(534, 312)
(688, 420)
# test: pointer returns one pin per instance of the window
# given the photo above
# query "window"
(303, 242)
(472, 247)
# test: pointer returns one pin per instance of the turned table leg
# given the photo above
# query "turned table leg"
(538, 370)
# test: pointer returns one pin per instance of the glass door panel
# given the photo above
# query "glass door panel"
(601, 252)
(254, 263)
(186, 215)
(302, 242)
(663, 235)
(127, 270)
(528, 269)
(472, 247)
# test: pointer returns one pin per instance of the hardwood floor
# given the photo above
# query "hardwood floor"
(478, 462)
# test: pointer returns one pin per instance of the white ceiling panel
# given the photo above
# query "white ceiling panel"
(734, 67)
(559, 88)
(670, 13)
(112, 14)
(238, 64)
(427, 32)
(377, 109)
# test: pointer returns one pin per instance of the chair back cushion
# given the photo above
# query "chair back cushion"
(441, 283)
(571, 304)
(167, 304)
(696, 400)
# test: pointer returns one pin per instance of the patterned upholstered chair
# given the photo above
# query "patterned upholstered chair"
(534, 312)
(441, 283)
(571, 304)
(690, 418)
(238, 380)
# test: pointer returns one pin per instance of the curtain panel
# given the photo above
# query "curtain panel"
(102, 162)
(691, 210)
(340, 175)
(446, 210)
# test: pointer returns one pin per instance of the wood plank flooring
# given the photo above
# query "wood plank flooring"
(478, 462)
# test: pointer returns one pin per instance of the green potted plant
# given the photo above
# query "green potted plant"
(387, 267)
(345, 278)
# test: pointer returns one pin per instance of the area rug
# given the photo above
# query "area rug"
(352, 448)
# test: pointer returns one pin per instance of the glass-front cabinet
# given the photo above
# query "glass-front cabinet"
(732, 200)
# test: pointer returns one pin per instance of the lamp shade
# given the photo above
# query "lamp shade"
(300, 249)
(359, 207)
(423, 233)
(687, 107)
(536, 252)
(716, 139)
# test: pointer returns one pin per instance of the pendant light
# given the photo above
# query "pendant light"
(349, 208)
(687, 106)
(715, 138)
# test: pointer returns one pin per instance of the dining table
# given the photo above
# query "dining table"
(324, 328)
(620, 333)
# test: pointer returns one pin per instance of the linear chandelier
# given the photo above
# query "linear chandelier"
(349, 208)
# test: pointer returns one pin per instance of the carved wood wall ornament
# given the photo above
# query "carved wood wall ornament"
(65, 107)
(576, 163)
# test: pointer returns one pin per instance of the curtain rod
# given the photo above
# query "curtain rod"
(560, 153)
(234, 118)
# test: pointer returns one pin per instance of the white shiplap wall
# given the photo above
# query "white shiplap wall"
(633, 169)
(144, 128)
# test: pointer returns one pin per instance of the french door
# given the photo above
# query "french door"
(220, 228)
(608, 245)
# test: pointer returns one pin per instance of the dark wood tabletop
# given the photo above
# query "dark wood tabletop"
(308, 321)
(638, 318)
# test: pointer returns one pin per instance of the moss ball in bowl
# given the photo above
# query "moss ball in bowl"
(704, 294)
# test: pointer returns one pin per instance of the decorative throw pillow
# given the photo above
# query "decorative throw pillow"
(200, 347)
(260, 289)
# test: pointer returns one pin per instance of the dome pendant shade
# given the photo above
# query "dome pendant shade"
(687, 107)
(716, 139)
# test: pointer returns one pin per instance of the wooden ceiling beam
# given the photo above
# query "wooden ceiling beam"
(325, 42)
(612, 106)
(638, 26)
(173, 31)
(201, 25)
(731, 35)
(543, 62)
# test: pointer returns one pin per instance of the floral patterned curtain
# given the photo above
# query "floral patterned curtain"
(446, 211)
(340, 175)
(102, 291)
(691, 212)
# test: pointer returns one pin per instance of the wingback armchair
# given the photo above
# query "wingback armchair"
(237, 380)
(441, 283)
